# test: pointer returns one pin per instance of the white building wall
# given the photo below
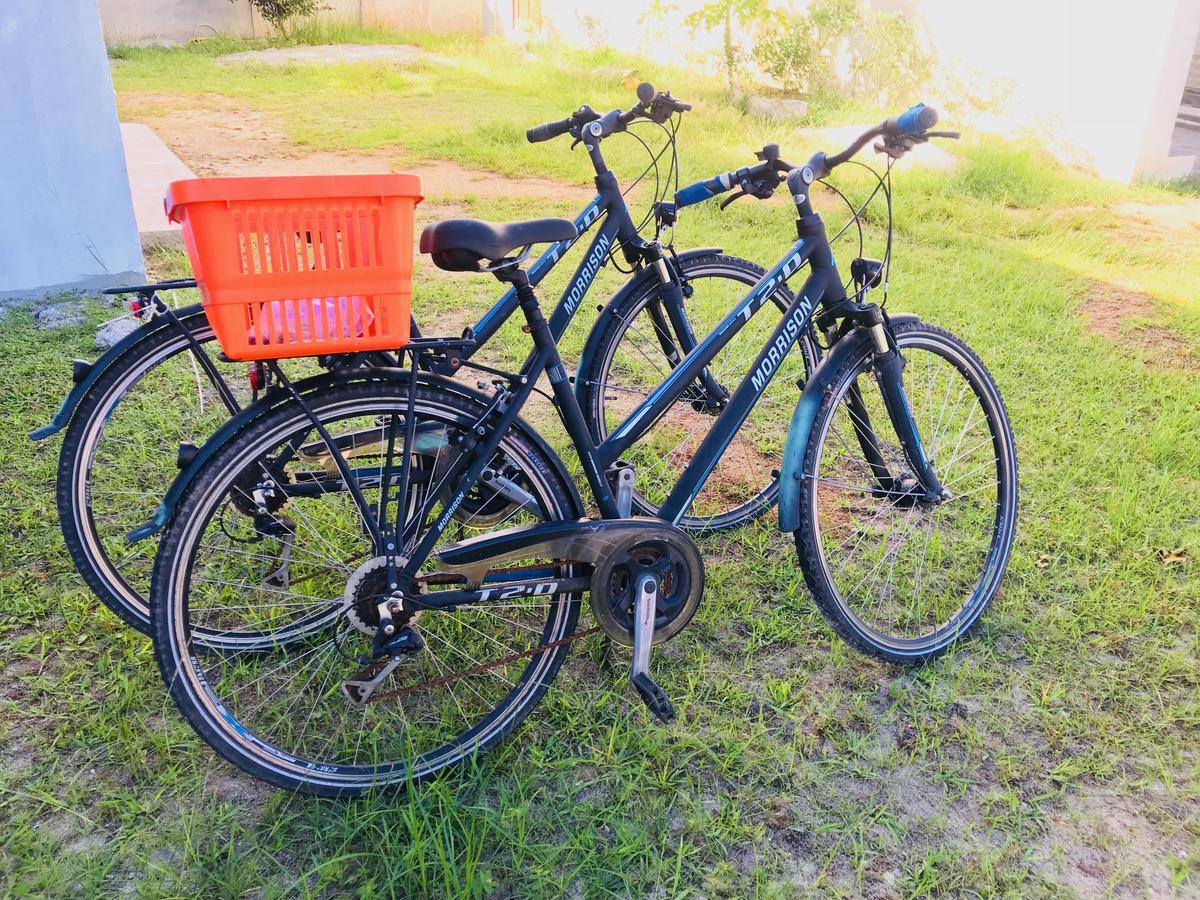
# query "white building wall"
(1098, 81)
(177, 20)
(67, 220)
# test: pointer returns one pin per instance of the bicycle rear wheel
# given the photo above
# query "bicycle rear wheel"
(282, 711)
(897, 578)
(118, 456)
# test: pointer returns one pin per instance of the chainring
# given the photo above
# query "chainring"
(674, 560)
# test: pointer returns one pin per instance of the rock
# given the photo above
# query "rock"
(115, 329)
(776, 108)
(61, 315)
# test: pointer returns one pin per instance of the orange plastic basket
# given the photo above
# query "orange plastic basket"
(301, 265)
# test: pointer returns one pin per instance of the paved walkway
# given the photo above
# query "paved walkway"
(1186, 142)
(151, 166)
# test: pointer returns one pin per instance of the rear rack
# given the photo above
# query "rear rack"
(171, 284)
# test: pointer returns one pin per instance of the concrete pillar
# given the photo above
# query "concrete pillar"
(66, 218)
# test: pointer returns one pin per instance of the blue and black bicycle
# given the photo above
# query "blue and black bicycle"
(436, 551)
(140, 412)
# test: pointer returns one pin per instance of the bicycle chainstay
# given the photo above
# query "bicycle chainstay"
(374, 668)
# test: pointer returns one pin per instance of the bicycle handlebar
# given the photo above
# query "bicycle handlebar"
(653, 105)
(540, 133)
(763, 175)
(898, 132)
(913, 120)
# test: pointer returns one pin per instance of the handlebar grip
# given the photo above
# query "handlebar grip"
(913, 120)
(700, 191)
(540, 133)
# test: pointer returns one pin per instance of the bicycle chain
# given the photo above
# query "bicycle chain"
(444, 578)
(455, 676)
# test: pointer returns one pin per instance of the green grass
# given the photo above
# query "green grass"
(1055, 754)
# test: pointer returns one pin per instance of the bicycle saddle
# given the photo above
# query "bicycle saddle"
(458, 245)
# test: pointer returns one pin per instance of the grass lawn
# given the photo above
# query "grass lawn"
(1057, 754)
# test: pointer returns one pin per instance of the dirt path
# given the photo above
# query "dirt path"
(215, 135)
(1117, 314)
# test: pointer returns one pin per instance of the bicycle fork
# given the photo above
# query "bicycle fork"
(889, 368)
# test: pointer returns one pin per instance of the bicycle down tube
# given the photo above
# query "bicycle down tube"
(823, 280)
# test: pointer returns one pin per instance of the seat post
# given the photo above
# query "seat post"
(539, 329)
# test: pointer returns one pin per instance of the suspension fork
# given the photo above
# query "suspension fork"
(889, 368)
(861, 420)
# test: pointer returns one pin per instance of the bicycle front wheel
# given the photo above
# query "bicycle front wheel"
(897, 577)
(292, 710)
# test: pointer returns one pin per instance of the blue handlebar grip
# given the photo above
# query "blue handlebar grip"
(916, 119)
(692, 194)
(701, 191)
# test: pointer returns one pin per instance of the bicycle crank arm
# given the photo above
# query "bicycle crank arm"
(584, 541)
(645, 606)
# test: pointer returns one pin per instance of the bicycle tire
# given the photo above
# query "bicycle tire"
(828, 511)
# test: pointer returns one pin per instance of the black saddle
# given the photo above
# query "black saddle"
(458, 245)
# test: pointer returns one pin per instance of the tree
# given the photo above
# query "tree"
(280, 14)
(725, 13)
(799, 50)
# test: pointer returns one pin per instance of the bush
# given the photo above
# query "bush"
(800, 51)
(889, 64)
(886, 61)
(281, 14)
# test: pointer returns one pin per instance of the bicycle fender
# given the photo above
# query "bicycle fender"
(79, 390)
(796, 445)
(592, 345)
(166, 508)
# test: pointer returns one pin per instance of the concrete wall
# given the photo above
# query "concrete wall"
(133, 20)
(440, 16)
(179, 20)
(66, 219)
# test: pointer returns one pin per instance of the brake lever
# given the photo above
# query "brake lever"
(897, 147)
(951, 135)
(733, 197)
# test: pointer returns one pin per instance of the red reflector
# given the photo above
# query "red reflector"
(254, 376)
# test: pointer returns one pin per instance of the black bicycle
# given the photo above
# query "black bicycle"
(137, 415)
(439, 549)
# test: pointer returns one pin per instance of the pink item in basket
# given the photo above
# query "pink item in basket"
(292, 321)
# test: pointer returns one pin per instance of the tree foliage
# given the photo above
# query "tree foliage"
(725, 14)
(802, 52)
(282, 14)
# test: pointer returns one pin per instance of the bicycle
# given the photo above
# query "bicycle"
(112, 399)
(429, 651)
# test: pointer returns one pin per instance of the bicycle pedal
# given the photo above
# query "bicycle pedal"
(654, 697)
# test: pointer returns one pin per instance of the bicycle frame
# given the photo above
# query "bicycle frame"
(823, 285)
